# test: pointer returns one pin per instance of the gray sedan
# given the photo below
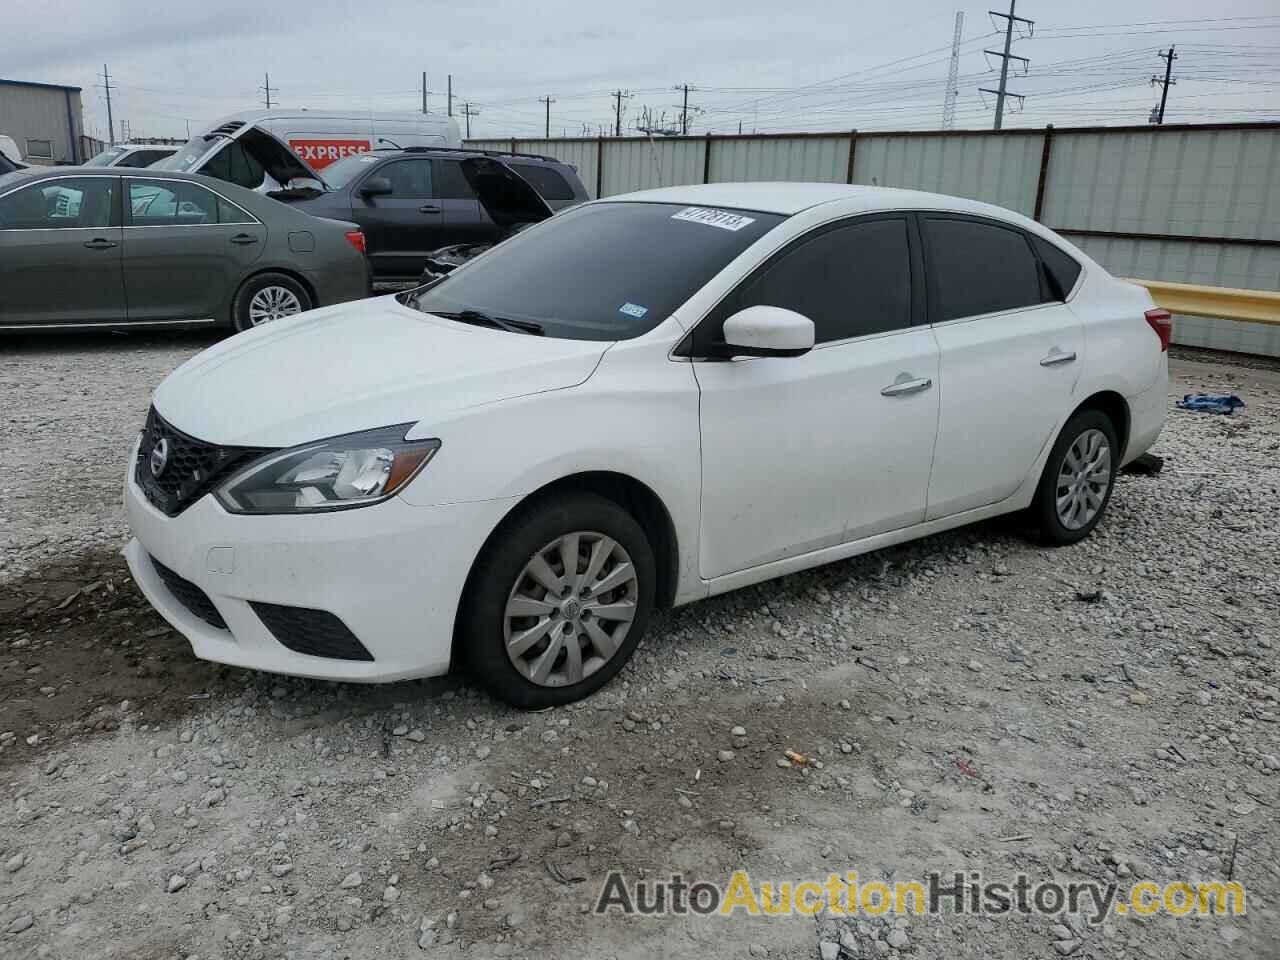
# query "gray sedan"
(105, 248)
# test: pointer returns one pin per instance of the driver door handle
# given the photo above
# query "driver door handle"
(244, 238)
(903, 387)
(99, 244)
(428, 208)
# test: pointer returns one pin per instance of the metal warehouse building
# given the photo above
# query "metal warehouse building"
(45, 120)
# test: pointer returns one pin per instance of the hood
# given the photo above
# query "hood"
(358, 366)
(505, 195)
(276, 157)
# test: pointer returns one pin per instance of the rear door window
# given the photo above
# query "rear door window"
(168, 203)
(409, 178)
(977, 267)
(450, 184)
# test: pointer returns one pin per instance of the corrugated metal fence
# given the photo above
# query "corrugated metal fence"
(1186, 203)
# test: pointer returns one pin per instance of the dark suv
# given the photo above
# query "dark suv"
(410, 202)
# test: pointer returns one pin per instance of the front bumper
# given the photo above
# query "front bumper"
(393, 573)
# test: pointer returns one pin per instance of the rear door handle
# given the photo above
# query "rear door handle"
(428, 208)
(99, 244)
(902, 387)
(1057, 357)
(244, 238)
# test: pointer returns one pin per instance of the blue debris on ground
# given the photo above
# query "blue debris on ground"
(1225, 403)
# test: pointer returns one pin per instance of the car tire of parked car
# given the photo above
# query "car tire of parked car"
(267, 297)
(1078, 478)
(537, 639)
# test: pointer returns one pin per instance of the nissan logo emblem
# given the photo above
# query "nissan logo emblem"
(159, 458)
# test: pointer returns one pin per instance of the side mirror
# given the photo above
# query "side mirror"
(764, 331)
(375, 187)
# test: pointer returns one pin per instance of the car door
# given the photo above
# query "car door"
(402, 227)
(807, 452)
(1010, 353)
(185, 249)
(463, 214)
(60, 253)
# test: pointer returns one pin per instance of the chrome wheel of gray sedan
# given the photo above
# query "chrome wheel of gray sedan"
(273, 303)
(1083, 479)
(570, 608)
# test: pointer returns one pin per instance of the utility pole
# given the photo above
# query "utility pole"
(1168, 57)
(953, 75)
(267, 88)
(618, 96)
(469, 111)
(548, 100)
(106, 86)
(1005, 57)
(424, 91)
(451, 94)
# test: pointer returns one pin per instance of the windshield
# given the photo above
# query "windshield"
(185, 159)
(605, 271)
(341, 172)
(106, 157)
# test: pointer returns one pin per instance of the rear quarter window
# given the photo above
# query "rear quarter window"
(1060, 267)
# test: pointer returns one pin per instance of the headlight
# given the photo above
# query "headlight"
(337, 474)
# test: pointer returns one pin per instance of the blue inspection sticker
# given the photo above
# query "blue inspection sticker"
(633, 310)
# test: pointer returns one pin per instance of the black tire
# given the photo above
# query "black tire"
(481, 635)
(1044, 509)
(240, 313)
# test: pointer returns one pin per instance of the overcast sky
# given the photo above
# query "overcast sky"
(816, 65)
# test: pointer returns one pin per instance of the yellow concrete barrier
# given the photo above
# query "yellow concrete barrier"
(1254, 306)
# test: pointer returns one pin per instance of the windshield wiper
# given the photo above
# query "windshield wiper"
(486, 320)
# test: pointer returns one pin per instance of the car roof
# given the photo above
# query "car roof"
(791, 198)
(144, 146)
(459, 152)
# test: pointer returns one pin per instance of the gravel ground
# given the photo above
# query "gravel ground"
(968, 702)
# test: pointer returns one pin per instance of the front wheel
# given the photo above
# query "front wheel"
(267, 297)
(1078, 478)
(558, 602)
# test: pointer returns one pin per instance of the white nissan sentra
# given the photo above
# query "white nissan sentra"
(638, 403)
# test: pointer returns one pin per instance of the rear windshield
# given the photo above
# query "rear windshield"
(106, 157)
(604, 271)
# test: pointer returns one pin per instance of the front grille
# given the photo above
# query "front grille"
(190, 470)
(190, 596)
(317, 633)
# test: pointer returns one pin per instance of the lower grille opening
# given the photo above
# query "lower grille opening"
(190, 596)
(316, 633)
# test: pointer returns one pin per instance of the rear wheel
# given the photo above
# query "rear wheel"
(558, 602)
(1078, 478)
(268, 297)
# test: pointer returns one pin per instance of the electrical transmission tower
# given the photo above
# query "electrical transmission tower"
(1157, 113)
(685, 108)
(1002, 92)
(953, 76)
(267, 88)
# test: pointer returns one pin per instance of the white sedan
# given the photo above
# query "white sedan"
(639, 403)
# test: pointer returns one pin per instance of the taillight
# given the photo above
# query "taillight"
(1161, 322)
(356, 239)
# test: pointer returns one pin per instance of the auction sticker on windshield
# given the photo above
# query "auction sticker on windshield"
(714, 218)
